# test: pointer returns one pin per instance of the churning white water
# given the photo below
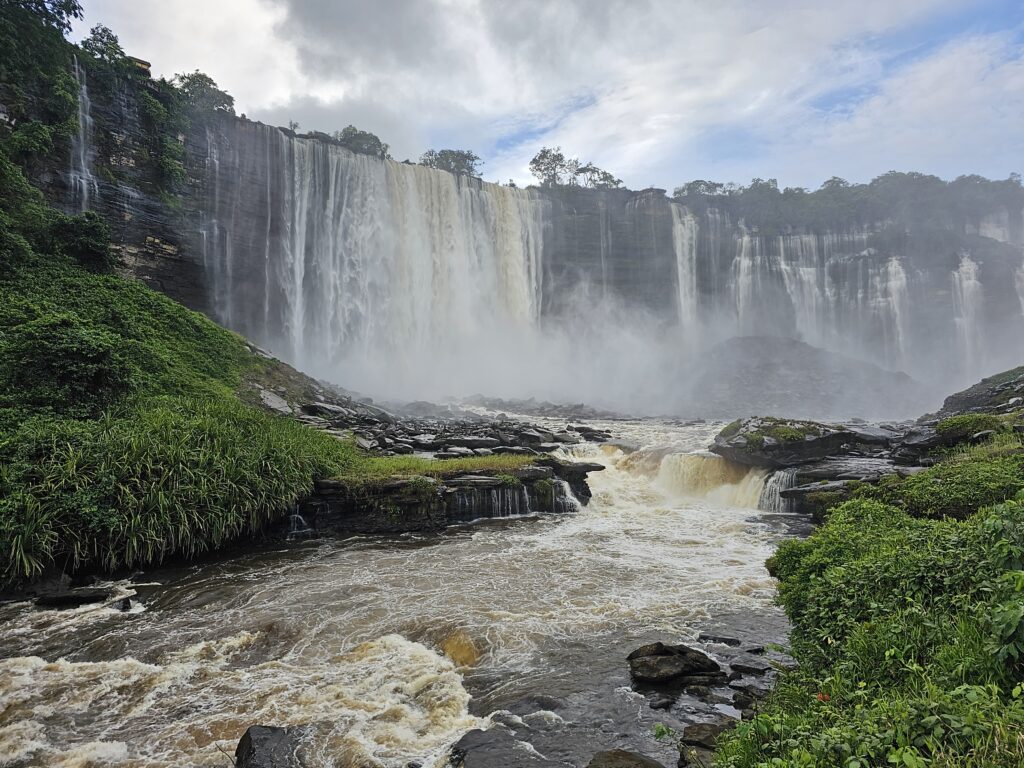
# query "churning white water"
(390, 649)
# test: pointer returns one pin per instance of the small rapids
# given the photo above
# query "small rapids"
(389, 649)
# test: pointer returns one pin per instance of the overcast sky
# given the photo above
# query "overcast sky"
(658, 91)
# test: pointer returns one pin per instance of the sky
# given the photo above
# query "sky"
(660, 92)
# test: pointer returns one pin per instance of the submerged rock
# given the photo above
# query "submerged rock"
(73, 598)
(264, 746)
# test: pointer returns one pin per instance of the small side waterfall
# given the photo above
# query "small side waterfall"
(684, 242)
(771, 499)
(1019, 280)
(83, 183)
(968, 300)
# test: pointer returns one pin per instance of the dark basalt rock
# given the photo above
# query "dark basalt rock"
(780, 443)
(660, 663)
(620, 758)
(263, 746)
(705, 637)
(703, 735)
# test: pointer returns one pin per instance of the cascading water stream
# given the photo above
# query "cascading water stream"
(83, 184)
(968, 300)
(771, 499)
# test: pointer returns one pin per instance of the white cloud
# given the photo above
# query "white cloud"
(659, 91)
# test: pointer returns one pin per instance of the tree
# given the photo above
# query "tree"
(103, 44)
(548, 166)
(362, 142)
(553, 169)
(458, 161)
(56, 13)
(292, 125)
(202, 94)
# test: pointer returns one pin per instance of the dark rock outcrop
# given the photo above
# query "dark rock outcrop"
(778, 443)
(659, 663)
(263, 746)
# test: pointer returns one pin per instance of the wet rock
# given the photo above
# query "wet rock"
(703, 735)
(661, 701)
(661, 663)
(473, 441)
(496, 747)
(620, 758)
(779, 443)
(263, 746)
(73, 598)
(750, 667)
(125, 604)
(706, 637)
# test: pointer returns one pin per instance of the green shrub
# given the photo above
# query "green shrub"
(59, 362)
(86, 239)
(954, 488)
(959, 428)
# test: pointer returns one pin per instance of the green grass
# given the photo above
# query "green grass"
(962, 427)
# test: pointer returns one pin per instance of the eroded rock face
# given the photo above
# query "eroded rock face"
(778, 443)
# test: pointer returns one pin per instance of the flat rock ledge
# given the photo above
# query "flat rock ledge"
(418, 503)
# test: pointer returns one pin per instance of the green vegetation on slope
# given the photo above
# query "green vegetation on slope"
(908, 624)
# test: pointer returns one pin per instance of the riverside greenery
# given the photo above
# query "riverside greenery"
(907, 608)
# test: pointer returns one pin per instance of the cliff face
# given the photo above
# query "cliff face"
(338, 260)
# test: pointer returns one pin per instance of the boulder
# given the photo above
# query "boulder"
(620, 758)
(662, 663)
(263, 746)
(780, 443)
(473, 441)
(703, 735)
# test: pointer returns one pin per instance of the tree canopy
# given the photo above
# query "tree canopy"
(56, 13)
(460, 161)
(103, 44)
(202, 94)
(362, 142)
(552, 169)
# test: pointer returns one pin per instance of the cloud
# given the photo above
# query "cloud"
(659, 91)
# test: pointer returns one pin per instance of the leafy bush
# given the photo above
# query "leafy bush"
(959, 428)
(59, 362)
(86, 239)
(954, 488)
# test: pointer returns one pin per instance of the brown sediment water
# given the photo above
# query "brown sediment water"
(390, 649)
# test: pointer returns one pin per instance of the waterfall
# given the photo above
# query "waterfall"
(339, 261)
(684, 242)
(710, 477)
(968, 300)
(1019, 280)
(83, 183)
(771, 499)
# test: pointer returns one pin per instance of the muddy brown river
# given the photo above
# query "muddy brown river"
(390, 649)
